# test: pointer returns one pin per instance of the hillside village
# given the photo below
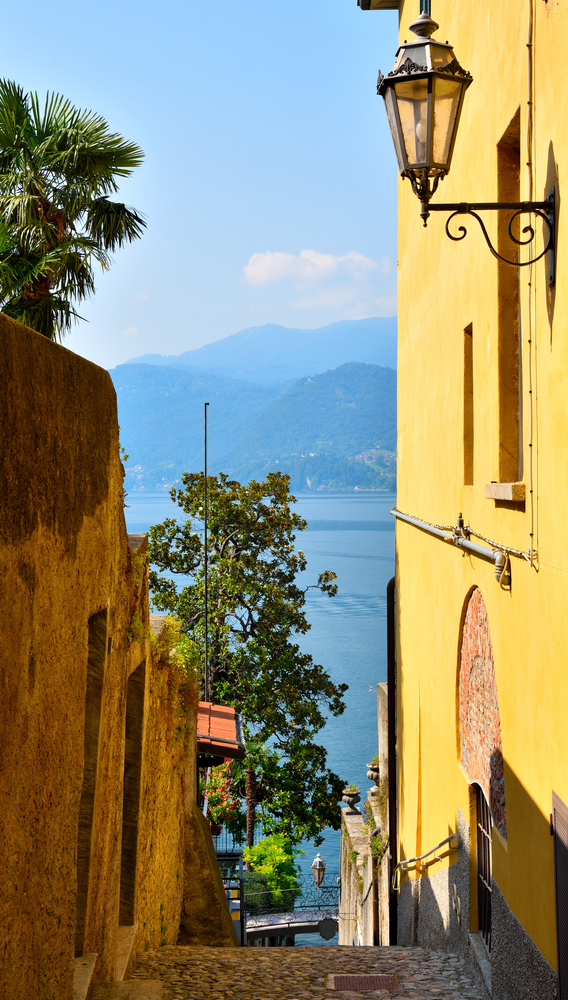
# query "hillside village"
(122, 749)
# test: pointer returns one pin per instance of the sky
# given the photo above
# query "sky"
(269, 181)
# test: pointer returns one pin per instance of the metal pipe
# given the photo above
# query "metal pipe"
(206, 681)
(463, 543)
(391, 737)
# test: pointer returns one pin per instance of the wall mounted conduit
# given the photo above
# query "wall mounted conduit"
(459, 536)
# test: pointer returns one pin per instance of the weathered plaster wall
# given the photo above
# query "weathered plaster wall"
(168, 755)
(206, 918)
(76, 677)
(355, 903)
(63, 557)
(443, 288)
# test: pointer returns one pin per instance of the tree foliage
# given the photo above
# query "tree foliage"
(256, 612)
(274, 860)
(58, 167)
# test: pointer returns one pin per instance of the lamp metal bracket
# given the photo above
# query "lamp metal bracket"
(545, 210)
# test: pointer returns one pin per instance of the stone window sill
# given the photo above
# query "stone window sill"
(505, 491)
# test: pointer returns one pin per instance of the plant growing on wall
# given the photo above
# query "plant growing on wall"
(58, 168)
(256, 610)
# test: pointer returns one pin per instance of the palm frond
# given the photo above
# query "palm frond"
(58, 166)
(52, 316)
(113, 224)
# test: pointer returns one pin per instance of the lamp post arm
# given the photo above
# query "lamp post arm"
(545, 210)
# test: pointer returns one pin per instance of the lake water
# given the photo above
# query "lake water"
(353, 535)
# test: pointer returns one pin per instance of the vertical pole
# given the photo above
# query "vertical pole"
(392, 811)
(242, 913)
(425, 7)
(206, 681)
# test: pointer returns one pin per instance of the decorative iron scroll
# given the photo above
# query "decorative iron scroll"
(544, 210)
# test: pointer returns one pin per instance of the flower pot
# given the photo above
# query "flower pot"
(374, 773)
(215, 829)
(351, 798)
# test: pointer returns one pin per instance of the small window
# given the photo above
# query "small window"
(468, 406)
(508, 189)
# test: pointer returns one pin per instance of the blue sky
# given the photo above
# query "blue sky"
(269, 183)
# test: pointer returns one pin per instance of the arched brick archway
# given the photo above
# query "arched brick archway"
(480, 725)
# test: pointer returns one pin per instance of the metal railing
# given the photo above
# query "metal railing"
(302, 896)
(420, 862)
(232, 872)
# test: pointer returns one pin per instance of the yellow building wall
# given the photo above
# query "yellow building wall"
(443, 287)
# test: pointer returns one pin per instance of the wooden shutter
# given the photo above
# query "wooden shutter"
(560, 832)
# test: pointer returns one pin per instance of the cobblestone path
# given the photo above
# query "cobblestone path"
(300, 973)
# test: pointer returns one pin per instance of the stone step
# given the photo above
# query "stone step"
(132, 989)
(126, 935)
(84, 968)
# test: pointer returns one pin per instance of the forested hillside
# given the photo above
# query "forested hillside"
(331, 431)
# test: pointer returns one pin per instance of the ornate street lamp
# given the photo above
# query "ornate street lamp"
(423, 96)
(318, 869)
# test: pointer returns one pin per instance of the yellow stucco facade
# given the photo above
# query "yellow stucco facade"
(503, 419)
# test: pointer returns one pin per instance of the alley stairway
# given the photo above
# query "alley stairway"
(185, 973)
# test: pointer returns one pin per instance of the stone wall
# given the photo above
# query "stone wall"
(356, 870)
(364, 866)
(83, 724)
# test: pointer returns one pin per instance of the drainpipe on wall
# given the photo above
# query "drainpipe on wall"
(391, 703)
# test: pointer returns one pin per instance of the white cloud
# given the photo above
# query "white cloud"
(328, 286)
(130, 331)
(309, 265)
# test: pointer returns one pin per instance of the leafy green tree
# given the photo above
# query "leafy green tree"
(255, 614)
(58, 167)
(273, 862)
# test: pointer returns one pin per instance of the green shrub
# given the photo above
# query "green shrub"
(274, 859)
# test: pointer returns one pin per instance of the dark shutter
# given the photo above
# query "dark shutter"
(560, 831)
(484, 868)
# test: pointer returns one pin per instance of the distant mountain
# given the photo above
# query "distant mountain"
(332, 431)
(272, 354)
(160, 412)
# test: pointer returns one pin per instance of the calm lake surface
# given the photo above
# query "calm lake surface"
(353, 535)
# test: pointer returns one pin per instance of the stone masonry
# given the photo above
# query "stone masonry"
(480, 726)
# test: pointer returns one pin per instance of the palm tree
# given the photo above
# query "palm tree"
(58, 166)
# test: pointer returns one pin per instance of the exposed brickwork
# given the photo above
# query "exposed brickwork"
(480, 726)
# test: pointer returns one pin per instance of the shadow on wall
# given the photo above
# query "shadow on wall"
(523, 873)
(552, 181)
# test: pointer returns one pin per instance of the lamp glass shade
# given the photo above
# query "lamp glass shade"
(392, 115)
(439, 55)
(412, 102)
(447, 96)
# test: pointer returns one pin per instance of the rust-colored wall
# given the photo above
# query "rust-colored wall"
(169, 749)
(65, 557)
